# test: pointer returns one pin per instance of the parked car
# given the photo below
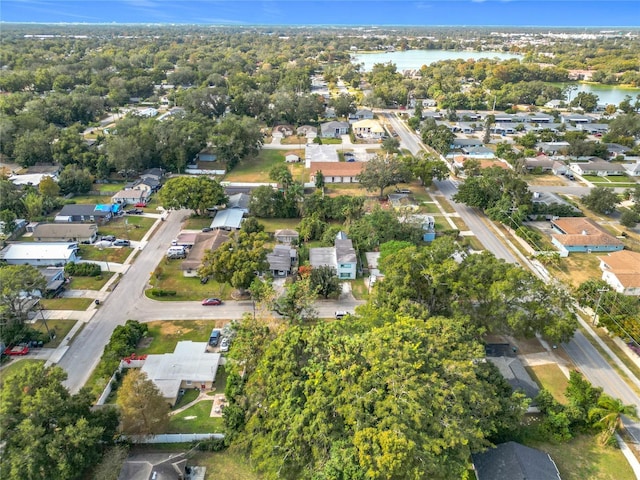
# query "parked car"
(207, 229)
(214, 338)
(103, 244)
(134, 211)
(341, 314)
(109, 238)
(140, 204)
(224, 345)
(122, 243)
(212, 301)
(403, 190)
(17, 350)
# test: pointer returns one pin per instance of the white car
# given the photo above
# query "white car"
(224, 345)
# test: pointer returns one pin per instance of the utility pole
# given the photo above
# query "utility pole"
(595, 312)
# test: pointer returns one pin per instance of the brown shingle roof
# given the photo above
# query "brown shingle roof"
(337, 169)
(622, 262)
(571, 225)
(582, 231)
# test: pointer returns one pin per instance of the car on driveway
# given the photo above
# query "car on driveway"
(224, 345)
(17, 350)
(122, 243)
(211, 301)
(207, 229)
(109, 238)
(140, 204)
(134, 211)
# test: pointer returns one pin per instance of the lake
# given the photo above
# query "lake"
(415, 59)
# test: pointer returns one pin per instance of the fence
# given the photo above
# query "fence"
(112, 381)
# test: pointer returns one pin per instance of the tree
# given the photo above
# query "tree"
(236, 138)
(266, 202)
(608, 415)
(74, 180)
(428, 168)
(33, 204)
(8, 219)
(382, 172)
(629, 218)
(296, 305)
(586, 101)
(195, 193)
(601, 200)
(319, 183)
(237, 261)
(390, 145)
(325, 281)
(33, 146)
(440, 138)
(281, 174)
(48, 433)
(15, 280)
(48, 188)
(143, 409)
(343, 104)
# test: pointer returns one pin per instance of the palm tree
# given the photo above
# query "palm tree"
(608, 415)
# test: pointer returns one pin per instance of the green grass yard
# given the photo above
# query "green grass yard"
(129, 227)
(168, 276)
(60, 328)
(113, 254)
(90, 283)
(550, 377)
(229, 464)
(79, 304)
(202, 423)
(256, 169)
(163, 336)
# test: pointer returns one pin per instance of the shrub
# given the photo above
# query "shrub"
(159, 292)
(212, 445)
(83, 269)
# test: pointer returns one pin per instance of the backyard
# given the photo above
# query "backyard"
(257, 169)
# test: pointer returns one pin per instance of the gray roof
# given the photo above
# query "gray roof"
(513, 461)
(39, 251)
(240, 201)
(65, 230)
(466, 142)
(83, 210)
(228, 219)
(281, 258)
(514, 372)
(345, 253)
(323, 256)
(156, 466)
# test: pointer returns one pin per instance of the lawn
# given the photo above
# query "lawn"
(165, 335)
(108, 187)
(257, 169)
(90, 283)
(459, 223)
(584, 458)
(168, 276)
(429, 207)
(114, 255)
(444, 203)
(474, 243)
(203, 423)
(60, 328)
(550, 377)
(196, 223)
(359, 289)
(228, 464)
(273, 224)
(577, 268)
(189, 396)
(129, 227)
(79, 304)
(612, 179)
(14, 366)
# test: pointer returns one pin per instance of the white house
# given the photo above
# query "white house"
(368, 129)
(337, 172)
(131, 196)
(334, 129)
(40, 254)
(632, 169)
(621, 270)
(598, 167)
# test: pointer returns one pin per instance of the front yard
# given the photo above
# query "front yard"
(168, 276)
(110, 254)
(90, 283)
(56, 326)
(164, 335)
(79, 304)
(128, 227)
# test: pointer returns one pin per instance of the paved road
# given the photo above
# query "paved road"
(84, 353)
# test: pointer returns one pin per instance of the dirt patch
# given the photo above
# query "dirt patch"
(145, 342)
(526, 346)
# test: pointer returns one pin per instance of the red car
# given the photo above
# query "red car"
(212, 301)
(17, 350)
(140, 204)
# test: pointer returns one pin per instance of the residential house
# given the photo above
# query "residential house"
(292, 158)
(337, 172)
(553, 148)
(575, 118)
(55, 280)
(594, 128)
(468, 127)
(334, 129)
(579, 234)
(149, 183)
(32, 179)
(554, 103)
(459, 143)
(155, 466)
(282, 260)
(368, 129)
(227, 219)
(155, 173)
(632, 169)
(514, 461)
(282, 131)
(308, 131)
(361, 114)
(239, 201)
(616, 150)
(99, 214)
(286, 236)
(330, 113)
(597, 167)
(621, 270)
(559, 168)
(65, 232)
(541, 163)
(40, 254)
(539, 117)
(131, 196)
(202, 243)
(189, 366)
(342, 257)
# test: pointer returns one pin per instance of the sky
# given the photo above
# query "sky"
(328, 12)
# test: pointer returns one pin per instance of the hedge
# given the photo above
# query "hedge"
(83, 269)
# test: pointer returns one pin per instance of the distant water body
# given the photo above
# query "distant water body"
(415, 59)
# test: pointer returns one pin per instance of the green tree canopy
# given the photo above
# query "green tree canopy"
(601, 200)
(383, 171)
(143, 409)
(195, 193)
